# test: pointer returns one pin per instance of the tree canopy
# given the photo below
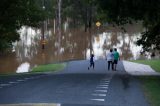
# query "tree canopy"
(13, 15)
(121, 12)
(16, 13)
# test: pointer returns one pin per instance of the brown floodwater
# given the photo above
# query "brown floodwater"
(70, 44)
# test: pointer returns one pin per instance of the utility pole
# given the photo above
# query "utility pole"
(43, 28)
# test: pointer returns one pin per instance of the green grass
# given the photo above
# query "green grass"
(48, 68)
(151, 84)
(40, 68)
(155, 64)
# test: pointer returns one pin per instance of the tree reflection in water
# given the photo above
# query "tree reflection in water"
(74, 44)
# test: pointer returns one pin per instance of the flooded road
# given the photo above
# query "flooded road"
(75, 44)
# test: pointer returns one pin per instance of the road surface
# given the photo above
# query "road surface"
(75, 86)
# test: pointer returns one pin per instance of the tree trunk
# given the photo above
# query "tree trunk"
(86, 19)
(59, 25)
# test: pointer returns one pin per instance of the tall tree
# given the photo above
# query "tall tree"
(121, 12)
(14, 14)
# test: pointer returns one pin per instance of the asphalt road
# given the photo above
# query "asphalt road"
(75, 86)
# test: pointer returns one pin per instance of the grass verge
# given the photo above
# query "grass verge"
(40, 68)
(151, 87)
(155, 64)
(151, 84)
(48, 68)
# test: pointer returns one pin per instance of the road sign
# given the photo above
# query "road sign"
(98, 24)
(44, 42)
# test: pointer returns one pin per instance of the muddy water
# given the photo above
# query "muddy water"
(74, 44)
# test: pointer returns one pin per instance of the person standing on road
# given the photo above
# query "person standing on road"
(116, 58)
(91, 61)
(110, 59)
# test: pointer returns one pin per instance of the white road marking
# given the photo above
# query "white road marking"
(100, 100)
(104, 84)
(4, 85)
(41, 76)
(33, 104)
(37, 77)
(102, 87)
(13, 82)
(26, 78)
(20, 80)
(105, 81)
(99, 94)
(29, 78)
(100, 90)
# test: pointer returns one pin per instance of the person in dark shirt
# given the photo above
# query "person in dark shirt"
(116, 58)
(91, 61)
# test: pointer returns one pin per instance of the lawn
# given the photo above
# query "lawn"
(151, 84)
(41, 68)
(49, 68)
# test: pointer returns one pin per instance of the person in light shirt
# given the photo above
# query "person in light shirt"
(110, 59)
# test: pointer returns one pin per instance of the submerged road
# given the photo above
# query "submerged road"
(75, 86)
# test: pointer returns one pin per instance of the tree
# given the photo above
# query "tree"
(14, 14)
(120, 12)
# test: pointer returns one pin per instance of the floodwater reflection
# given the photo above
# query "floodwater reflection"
(124, 43)
(23, 68)
(73, 44)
